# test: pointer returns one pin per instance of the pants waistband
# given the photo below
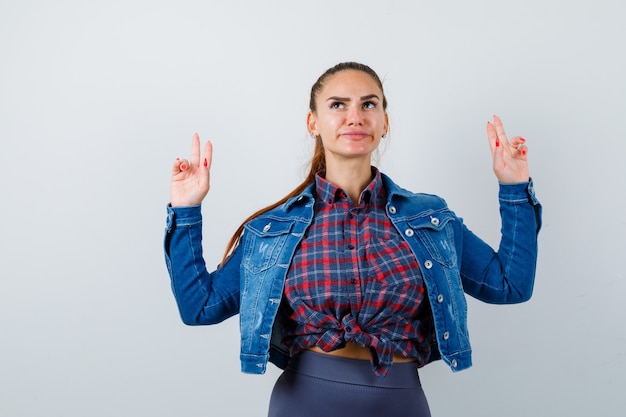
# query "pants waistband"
(354, 371)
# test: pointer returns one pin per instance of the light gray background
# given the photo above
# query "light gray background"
(98, 98)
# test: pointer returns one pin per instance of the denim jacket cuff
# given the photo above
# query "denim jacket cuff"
(521, 192)
(182, 216)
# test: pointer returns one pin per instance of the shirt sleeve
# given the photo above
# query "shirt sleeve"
(202, 297)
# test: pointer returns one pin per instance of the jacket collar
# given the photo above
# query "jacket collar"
(393, 189)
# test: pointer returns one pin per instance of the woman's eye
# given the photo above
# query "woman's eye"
(369, 105)
(337, 105)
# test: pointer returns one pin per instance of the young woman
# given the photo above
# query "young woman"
(351, 283)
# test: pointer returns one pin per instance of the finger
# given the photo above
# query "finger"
(195, 150)
(497, 122)
(176, 166)
(208, 155)
(492, 136)
(518, 145)
(184, 165)
(517, 141)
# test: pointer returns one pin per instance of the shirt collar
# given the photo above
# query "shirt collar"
(329, 193)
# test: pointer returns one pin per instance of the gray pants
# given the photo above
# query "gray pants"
(318, 385)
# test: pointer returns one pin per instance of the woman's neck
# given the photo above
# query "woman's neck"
(351, 177)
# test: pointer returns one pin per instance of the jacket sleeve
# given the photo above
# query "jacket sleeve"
(202, 297)
(508, 275)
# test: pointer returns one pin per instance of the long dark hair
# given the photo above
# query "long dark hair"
(318, 161)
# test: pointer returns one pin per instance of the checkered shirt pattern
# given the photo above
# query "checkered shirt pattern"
(355, 279)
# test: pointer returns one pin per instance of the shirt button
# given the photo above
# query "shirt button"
(446, 336)
(348, 329)
(428, 264)
(434, 221)
(350, 247)
(409, 232)
(440, 298)
(353, 281)
(267, 227)
(392, 210)
(454, 363)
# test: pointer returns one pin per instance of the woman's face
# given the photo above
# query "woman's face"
(349, 115)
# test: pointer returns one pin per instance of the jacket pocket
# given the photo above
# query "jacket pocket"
(436, 232)
(263, 241)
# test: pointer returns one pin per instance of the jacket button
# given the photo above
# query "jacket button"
(428, 264)
(434, 221)
(267, 227)
(409, 232)
(440, 298)
(392, 210)
(454, 363)
(446, 336)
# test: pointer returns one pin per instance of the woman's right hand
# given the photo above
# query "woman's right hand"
(190, 179)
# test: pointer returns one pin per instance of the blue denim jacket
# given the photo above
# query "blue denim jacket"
(454, 261)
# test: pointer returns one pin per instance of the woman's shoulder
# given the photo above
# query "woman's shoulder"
(395, 192)
(296, 209)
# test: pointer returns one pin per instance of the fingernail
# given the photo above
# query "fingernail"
(205, 162)
(522, 140)
(523, 151)
(497, 143)
(183, 167)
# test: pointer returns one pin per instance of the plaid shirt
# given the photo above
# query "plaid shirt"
(354, 279)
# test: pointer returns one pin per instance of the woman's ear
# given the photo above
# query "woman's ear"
(311, 124)
(386, 130)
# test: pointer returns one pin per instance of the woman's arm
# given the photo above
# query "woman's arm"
(202, 297)
(505, 276)
(508, 275)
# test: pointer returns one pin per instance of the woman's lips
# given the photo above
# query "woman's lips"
(355, 134)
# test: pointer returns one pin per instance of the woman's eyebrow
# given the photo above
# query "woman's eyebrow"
(367, 97)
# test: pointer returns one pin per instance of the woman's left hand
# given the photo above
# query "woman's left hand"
(510, 157)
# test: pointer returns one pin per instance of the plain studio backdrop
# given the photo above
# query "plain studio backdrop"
(98, 98)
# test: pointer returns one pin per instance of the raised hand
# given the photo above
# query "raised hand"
(510, 157)
(190, 179)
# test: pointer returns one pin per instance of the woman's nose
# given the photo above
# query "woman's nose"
(354, 116)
